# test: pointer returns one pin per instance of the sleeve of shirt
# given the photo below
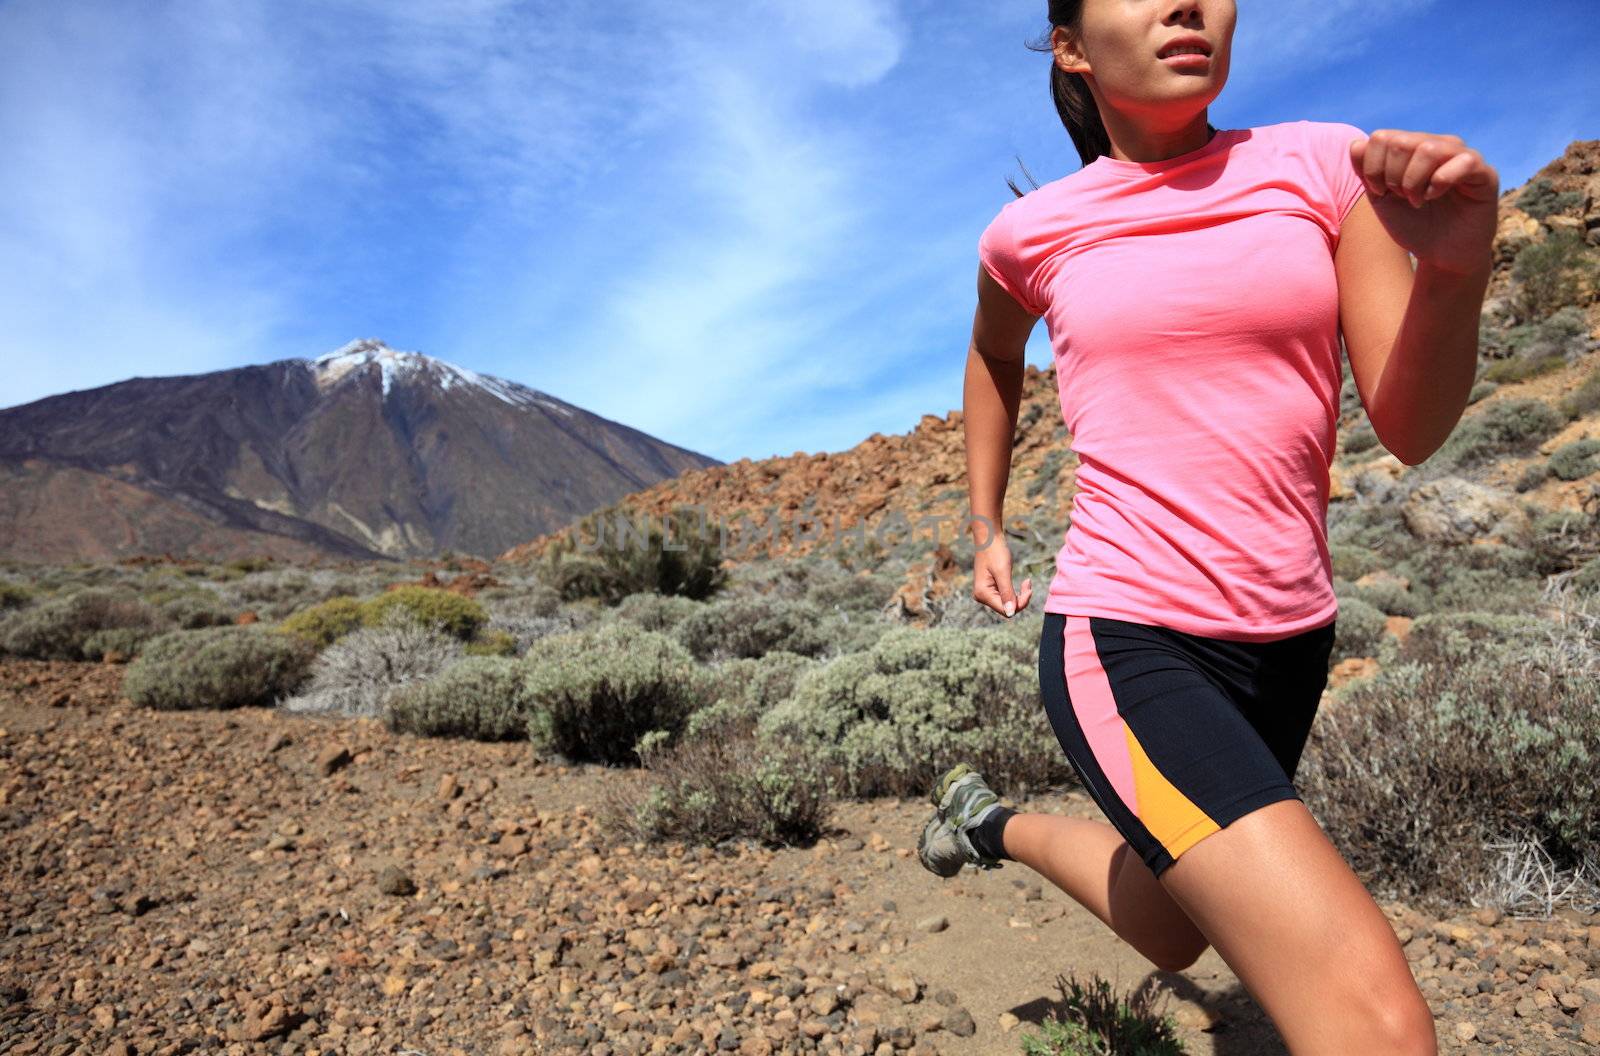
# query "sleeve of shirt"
(1344, 183)
(999, 253)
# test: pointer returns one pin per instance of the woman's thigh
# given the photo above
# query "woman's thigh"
(1296, 925)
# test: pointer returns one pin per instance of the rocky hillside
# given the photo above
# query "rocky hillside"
(364, 452)
(922, 474)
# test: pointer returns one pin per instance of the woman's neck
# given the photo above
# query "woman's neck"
(1132, 142)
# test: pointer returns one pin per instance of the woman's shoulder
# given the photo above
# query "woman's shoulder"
(1305, 130)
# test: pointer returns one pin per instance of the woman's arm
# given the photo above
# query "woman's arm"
(1412, 337)
(991, 397)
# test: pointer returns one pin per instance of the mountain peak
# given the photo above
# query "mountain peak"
(397, 365)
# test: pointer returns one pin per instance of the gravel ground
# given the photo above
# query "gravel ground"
(250, 881)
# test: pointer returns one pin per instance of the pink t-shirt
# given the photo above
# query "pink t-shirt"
(1193, 312)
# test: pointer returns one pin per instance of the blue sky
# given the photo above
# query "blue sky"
(746, 228)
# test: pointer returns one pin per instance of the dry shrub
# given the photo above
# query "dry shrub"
(477, 697)
(1478, 725)
(216, 667)
(361, 672)
(593, 693)
(69, 627)
(723, 785)
(895, 717)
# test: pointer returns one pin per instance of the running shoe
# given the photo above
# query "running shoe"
(961, 800)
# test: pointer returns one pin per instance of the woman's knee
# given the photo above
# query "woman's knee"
(1178, 957)
(1405, 1026)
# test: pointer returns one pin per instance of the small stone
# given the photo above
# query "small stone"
(959, 1022)
(903, 985)
(933, 924)
(1008, 1022)
(1466, 1030)
(394, 881)
(333, 759)
(1198, 1017)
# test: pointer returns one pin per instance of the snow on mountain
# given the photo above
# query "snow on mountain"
(397, 365)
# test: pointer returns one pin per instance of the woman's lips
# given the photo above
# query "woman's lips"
(1187, 60)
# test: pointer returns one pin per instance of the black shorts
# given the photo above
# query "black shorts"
(1176, 735)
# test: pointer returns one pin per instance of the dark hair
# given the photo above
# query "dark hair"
(1074, 102)
(1069, 91)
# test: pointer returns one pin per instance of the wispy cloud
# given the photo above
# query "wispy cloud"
(748, 228)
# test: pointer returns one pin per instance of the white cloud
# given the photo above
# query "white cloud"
(183, 176)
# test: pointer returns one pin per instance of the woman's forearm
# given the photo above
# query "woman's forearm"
(1429, 372)
(991, 397)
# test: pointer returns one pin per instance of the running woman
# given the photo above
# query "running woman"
(1194, 283)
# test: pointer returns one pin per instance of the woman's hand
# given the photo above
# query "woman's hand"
(991, 580)
(1434, 194)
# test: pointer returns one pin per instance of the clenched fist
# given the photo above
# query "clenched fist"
(1434, 194)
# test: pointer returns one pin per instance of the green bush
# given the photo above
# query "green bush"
(1388, 596)
(751, 626)
(1359, 629)
(455, 614)
(1483, 589)
(745, 689)
(14, 596)
(1360, 438)
(1559, 539)
(897, 716)
(60, 628)
(821, 579)
(631, 554)
(1539, 199)
(1585, 399)
(1478, 727)
(1504, 427)
(594, 693)
(1527, 350)
(1481, 389)
(325, 623)
(1364, 536)
(124, 642)
(1532, 475)
(1049, 472)
(1511, 371)
(1353, 562)
(1576, 460)
(479, 697)
(217, 667)
(191, 611)
(1093, 1020)
(493, 642)
(1587, 576)
(1551, 274)
(709, 789)
(656, 612)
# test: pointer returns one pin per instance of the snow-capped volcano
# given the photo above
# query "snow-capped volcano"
(364, 451)
(396, 365)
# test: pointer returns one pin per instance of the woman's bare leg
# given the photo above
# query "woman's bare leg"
(1298, 928)
(1090, 861)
